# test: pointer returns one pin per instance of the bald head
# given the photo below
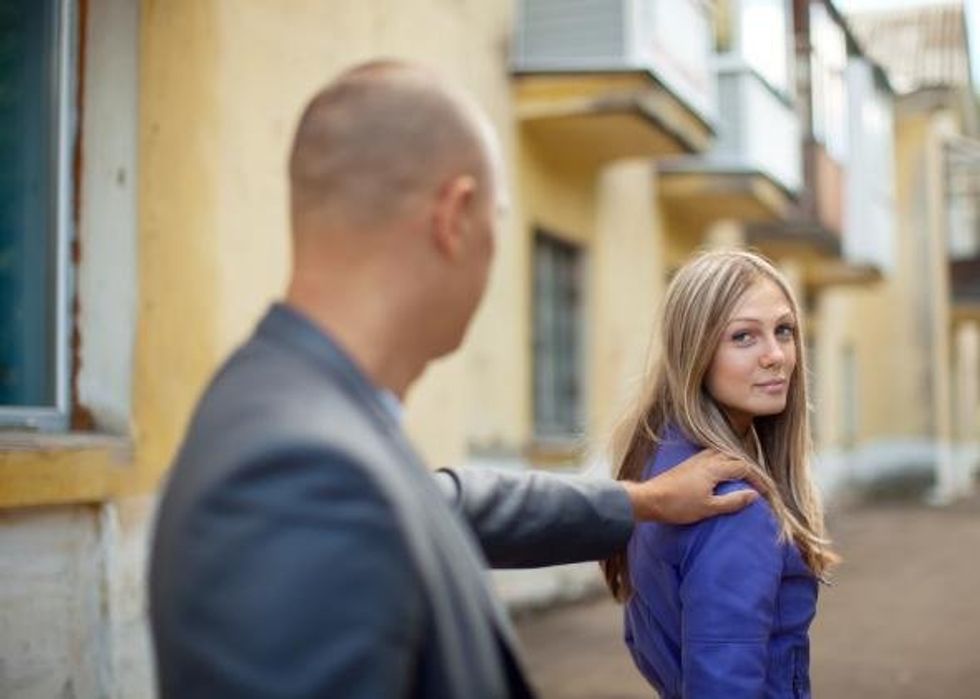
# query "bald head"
(376, 140)
(396, 190)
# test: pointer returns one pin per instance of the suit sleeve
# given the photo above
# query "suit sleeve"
(730, 574)
(302, 586)
(527, 519)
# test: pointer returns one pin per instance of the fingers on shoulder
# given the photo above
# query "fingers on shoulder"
(734, 499)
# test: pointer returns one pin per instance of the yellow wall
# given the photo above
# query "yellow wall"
(178, 333)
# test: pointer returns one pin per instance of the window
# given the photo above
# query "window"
(36, 141)
(557, 338)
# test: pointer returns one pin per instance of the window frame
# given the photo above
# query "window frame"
(64, 85)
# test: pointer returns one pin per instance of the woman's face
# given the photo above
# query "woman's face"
(750, 373)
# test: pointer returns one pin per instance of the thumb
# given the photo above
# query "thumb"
(733, 502)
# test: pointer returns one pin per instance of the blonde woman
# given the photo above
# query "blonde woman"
(722, 608)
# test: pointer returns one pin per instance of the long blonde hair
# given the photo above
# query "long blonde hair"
(699, 302)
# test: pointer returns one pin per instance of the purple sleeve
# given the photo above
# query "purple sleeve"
(730, 579)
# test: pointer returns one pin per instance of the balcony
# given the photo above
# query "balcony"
(844, 224)
(846, 220)
(753, 171)
(621, 78)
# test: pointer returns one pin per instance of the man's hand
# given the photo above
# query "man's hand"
(685, 493)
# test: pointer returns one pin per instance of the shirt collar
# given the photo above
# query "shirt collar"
(391, 403)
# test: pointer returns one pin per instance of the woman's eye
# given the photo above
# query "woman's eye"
(741, 337)
(785, 331)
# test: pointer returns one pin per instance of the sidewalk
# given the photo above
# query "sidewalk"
(902, 620)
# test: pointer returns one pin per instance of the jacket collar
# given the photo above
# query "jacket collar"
(286, 325)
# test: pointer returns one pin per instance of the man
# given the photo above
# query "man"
(302, 548)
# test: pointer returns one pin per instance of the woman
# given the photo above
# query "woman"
(722, 608)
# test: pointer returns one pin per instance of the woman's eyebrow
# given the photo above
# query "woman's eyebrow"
(788, 315)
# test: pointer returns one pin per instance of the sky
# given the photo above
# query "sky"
(972, 21)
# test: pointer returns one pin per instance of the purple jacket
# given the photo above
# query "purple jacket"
(720, 608)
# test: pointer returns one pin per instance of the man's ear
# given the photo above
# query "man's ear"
(453, 213)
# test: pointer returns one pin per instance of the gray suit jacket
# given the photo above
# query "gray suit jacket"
(302, 549)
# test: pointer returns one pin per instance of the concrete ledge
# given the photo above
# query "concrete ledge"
(57, 469)
(530, 590)
(838, 471)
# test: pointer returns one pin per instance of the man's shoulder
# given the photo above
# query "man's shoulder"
(263, 404)
(262, 388)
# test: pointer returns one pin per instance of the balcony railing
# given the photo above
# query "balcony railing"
(669, 39)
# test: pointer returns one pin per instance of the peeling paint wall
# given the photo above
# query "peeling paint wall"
(52, 604)
(72, 603)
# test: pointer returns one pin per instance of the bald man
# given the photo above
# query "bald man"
(302, 547)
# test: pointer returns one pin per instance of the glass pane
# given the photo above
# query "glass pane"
(543, 318)
(764, 42)
(28, 234)
(556, 335)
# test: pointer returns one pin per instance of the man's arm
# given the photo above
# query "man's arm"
(527, 519)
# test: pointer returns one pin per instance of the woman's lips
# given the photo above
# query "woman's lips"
(774, 386)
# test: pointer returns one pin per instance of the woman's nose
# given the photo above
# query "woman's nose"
(774, 355)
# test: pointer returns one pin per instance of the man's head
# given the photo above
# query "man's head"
(393, 173)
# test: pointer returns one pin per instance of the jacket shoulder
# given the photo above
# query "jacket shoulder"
(674, 447)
